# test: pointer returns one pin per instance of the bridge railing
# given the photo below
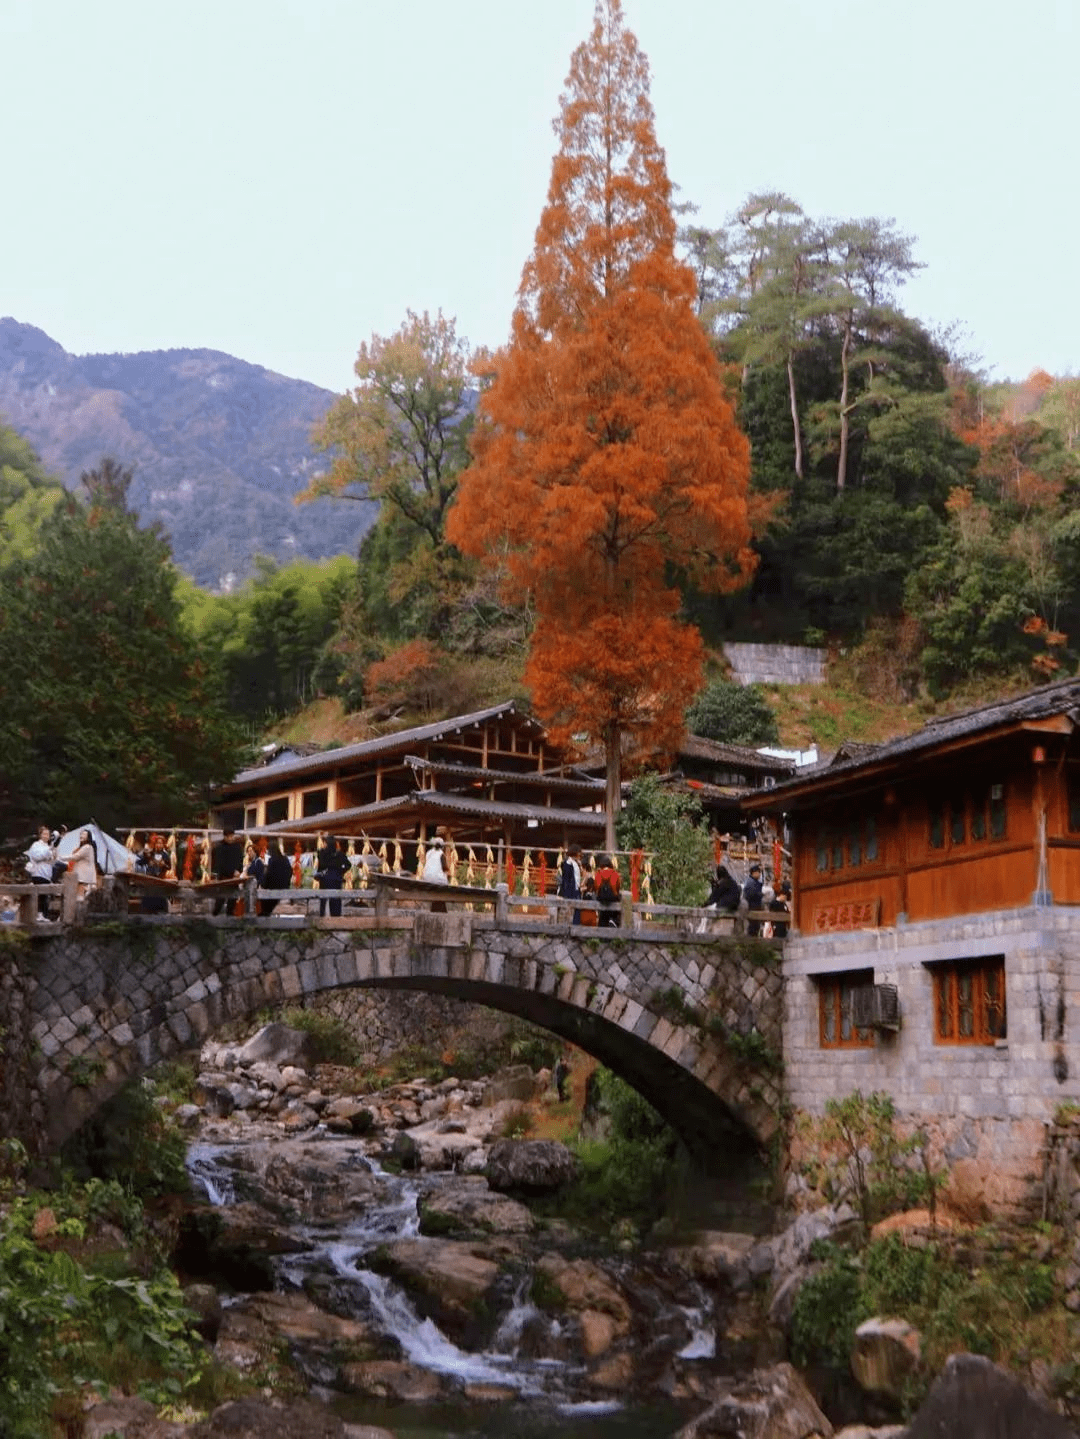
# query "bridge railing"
(391, 901)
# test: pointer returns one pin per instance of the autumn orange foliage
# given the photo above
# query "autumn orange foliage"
(607, 464)
(408, 675)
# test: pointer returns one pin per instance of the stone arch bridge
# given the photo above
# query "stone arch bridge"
(692, 1022)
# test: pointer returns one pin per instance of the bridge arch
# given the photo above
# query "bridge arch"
(106, 1004)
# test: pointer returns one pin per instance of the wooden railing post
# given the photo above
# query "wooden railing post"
(502, 907)
(382, 901)
(69, 896)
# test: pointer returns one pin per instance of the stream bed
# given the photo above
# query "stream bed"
(526, 1372)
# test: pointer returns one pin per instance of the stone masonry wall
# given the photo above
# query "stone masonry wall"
(22, 1114)
(384, 1022)
(776, 664)
(106, 1003)
(986, 1108)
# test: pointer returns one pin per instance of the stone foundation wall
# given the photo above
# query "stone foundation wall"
(386, 1021)
(985, 1108)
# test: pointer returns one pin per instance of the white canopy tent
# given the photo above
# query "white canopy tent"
(113, 856)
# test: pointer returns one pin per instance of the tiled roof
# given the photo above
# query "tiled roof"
(430, 801)
(1062, 697)
(695, 746)
(554, 780)
(401, 741)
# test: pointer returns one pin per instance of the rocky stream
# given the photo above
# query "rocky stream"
(374, 1266)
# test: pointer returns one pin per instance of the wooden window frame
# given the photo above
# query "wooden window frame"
(835, 991)
(832, 840)
(989, 1011)
(984, 809)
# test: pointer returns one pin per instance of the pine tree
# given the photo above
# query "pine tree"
(608, 468)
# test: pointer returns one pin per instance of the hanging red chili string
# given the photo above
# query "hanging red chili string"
(543, 872)
(189, 858)
(297, 872)
(511, 871)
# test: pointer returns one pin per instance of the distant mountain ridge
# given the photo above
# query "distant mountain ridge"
(219, 447)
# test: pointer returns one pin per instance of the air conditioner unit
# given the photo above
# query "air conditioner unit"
(876, 1006)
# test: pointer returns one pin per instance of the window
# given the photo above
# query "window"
(969, 1001)
(277, 810)
(835, 997)
(854, 845)
(315, 802)
(974, 816)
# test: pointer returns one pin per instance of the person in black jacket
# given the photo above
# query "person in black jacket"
(226, 862)
(754, 896)
(332, 864)
(570, 879)
(725, 892)
(276, 875)
(781, 904)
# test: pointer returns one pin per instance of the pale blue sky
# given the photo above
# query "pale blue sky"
(279, 179)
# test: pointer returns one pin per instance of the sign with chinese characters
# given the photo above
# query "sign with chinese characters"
(850, 914)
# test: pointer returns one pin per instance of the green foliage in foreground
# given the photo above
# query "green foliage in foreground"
(131, 1141)
(66, 1322)
(999, 1301)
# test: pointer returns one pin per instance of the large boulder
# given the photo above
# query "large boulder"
(278, 1045)
(451, 1282)
(973, 1399)
(233, 1245)
(515, 1081)
(469, 1206)
(884, 1356)
(770, 1403)
(530, 1166)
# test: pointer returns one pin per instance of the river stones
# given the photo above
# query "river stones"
(771, 1403)
(279, 1045)
(234, 1244)
(973, 1398)
(530, 1166)
(451, 1282)
(267, 1419)
(391, 1379)
(469, 1206)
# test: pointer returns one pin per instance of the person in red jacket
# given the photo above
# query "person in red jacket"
(608, 892)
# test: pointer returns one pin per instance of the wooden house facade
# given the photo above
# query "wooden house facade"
(935, 949)
(490, 777)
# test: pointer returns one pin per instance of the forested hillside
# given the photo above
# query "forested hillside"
(219, 448)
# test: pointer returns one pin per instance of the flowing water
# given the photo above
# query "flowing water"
(542, 1395)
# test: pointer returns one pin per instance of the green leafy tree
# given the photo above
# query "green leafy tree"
(27, 496)
(670, 826)
(110, 710)
(272, 637)
(733, 714)
(400, 437)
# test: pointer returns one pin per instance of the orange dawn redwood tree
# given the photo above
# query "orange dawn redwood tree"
(607, 465)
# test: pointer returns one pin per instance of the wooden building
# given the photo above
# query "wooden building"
(935, 949)
(491, 777)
